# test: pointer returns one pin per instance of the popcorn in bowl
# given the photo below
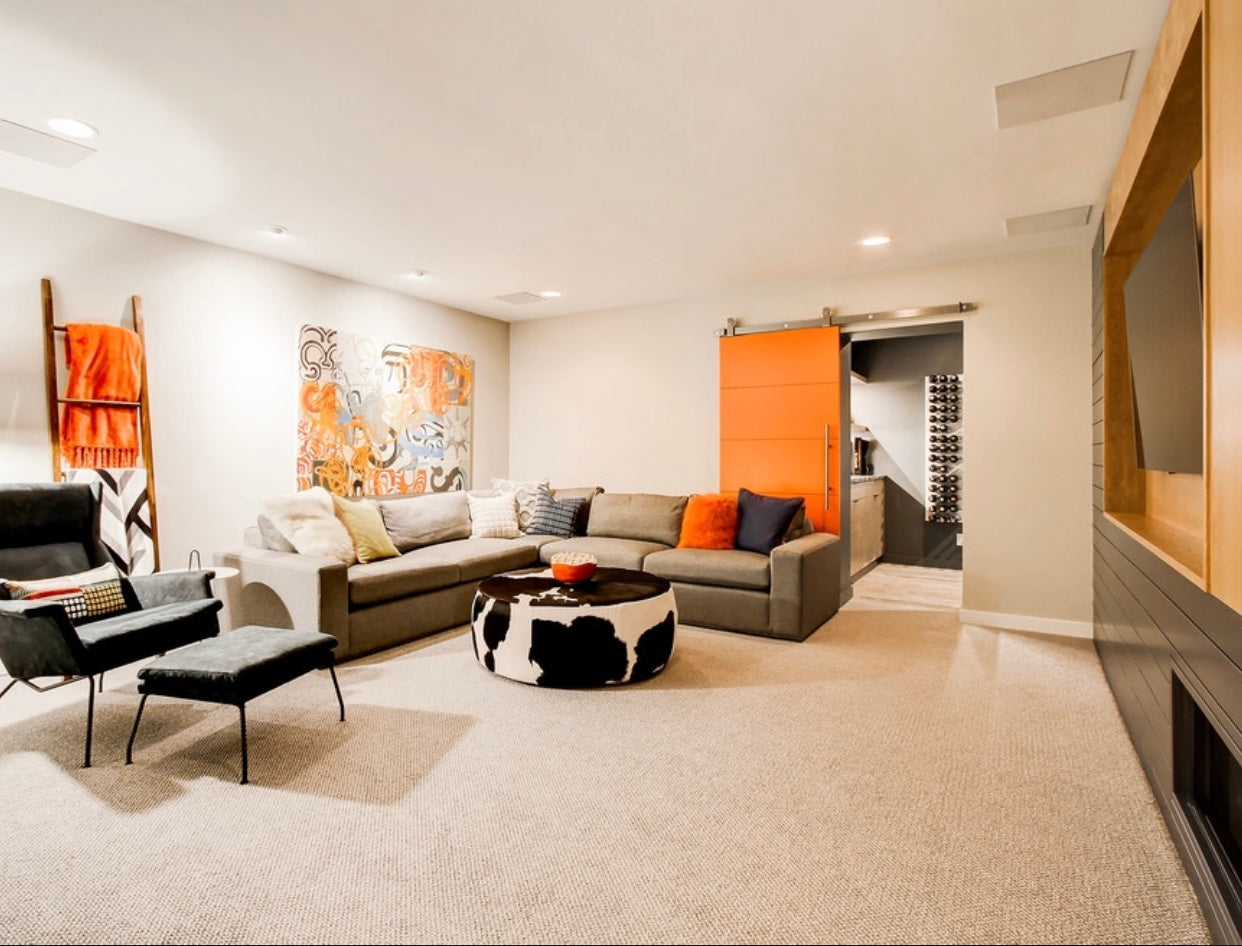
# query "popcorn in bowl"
(572, 567)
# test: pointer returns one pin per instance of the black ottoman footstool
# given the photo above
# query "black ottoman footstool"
(235, 668)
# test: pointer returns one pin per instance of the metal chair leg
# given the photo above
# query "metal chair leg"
(67, 679)
(90, 718)
(332, 670)
(241, 708)
(129, 747)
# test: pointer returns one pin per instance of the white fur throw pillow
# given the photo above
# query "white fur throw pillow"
(308, 520)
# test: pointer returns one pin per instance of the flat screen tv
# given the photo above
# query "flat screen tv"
(1164, 331)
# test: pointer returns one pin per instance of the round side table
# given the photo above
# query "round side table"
(616, 628)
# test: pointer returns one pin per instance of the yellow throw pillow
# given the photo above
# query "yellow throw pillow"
(366, 527)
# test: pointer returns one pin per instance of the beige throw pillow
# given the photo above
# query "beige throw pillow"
(425, 518)
(647, 517)
(308, 520)
(366, 528)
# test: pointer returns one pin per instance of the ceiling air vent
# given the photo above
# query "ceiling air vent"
(1050, 220)
(1071, 89)
(40, 146)
(521, 298)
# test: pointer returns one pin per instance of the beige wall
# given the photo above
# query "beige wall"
(221, 331)
(624, 398)
(628, 399)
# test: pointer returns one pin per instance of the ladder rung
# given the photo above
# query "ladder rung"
(93, 403)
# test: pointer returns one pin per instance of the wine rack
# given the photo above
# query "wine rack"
(943, 397)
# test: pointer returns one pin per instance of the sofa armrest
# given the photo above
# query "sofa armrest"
(287, 589)
(806, 584)
(38, 640)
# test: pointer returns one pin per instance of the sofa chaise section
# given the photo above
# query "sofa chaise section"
(786, 594)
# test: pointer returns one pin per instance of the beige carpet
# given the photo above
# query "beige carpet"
(895, 778)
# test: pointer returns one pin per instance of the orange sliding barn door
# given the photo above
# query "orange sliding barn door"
(780, 415)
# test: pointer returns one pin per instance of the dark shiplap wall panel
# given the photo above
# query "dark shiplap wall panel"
(1149, 620)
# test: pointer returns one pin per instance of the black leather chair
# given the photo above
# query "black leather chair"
(48, 530)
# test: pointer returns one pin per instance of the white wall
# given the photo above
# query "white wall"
(628, 399)
(221, 328)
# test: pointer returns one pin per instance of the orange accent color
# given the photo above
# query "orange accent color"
(776, 412)
(569, 574)
(105, 364)
(709, 522)
(798, 356)
(779, 393)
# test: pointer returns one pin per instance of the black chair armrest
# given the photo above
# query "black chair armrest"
(38, 640)
(166, 587)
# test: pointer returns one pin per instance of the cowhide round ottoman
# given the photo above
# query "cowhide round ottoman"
(615, 628)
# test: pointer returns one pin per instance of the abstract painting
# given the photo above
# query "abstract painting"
(378, 418)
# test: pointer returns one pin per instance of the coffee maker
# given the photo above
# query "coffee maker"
(862, 444)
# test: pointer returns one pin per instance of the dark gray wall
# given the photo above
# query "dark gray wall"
(891, 403)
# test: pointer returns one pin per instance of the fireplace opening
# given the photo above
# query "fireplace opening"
(1208, 782)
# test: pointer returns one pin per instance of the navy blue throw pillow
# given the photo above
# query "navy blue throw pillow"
(763, 520)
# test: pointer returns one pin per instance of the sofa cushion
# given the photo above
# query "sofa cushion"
(493, 517)
(732, 568)
(271, 537)
(763, 520)
(136, 635)
(557, 517)
(710, 522)
(482, 558)
(586, 493)
(801, 525)
(647, 517)
(308, 520)
(524, 493)
(366, 528)
(609, 552)
(414, 520)
(84, 596)
(415, 571)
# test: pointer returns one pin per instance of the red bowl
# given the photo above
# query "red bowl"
(572, 574)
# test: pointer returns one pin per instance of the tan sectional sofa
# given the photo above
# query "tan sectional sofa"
(430, 586)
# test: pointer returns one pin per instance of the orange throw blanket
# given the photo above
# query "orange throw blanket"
(105, 364)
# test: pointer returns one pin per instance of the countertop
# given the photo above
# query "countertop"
(866, 478)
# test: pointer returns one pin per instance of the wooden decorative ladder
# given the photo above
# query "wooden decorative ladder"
(55, 400)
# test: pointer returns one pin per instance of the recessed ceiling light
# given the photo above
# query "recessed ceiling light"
(72, 127)
(417, 274)
(275, 230)
(550, 294)
(875, 240)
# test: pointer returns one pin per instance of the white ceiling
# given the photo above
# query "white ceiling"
(620, 151)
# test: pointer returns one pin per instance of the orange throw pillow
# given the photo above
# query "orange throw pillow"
(710, 522)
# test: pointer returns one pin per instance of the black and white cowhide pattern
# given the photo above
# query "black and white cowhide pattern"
(573, 646)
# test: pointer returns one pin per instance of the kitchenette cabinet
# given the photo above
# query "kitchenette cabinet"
(866, 521)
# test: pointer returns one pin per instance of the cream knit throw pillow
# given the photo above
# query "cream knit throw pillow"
(493, 517)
